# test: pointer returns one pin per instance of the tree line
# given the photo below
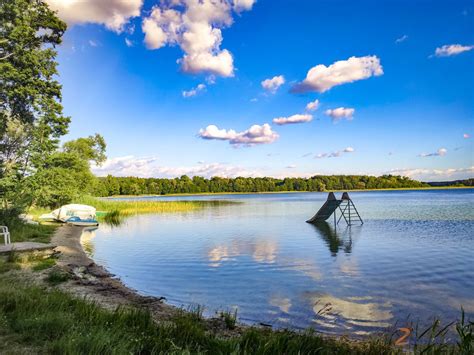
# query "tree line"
(111, 186)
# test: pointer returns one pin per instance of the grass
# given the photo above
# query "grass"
(36, 261)
(57, 323)
(127, 207)
(56, 276)
(44, 264)
(230, 318)
(23, 232)
(43, 320)
(114, 210)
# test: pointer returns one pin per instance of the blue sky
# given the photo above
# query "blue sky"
(404, 103)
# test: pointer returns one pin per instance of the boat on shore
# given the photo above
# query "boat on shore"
(74, 214)
(86, 222)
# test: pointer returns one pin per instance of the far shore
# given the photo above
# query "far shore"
(296, 192)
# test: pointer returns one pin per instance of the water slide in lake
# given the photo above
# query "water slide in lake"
(327, 209)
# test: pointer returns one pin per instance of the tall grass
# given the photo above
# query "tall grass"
(55, 322)
(129, 207)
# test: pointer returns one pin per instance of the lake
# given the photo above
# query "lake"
(412, 258)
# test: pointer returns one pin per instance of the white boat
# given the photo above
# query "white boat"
(64, 213)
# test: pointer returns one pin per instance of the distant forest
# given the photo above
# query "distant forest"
(467, 182)
(110, 185)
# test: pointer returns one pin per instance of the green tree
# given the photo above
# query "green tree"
(90, 148)
(65, 175)
(31, 118)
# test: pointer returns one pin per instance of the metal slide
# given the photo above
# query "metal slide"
(327, 209)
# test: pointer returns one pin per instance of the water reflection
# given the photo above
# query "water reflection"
(359, 311)
(86, 239)
(262, 251)
(332, 239)
(282, 303)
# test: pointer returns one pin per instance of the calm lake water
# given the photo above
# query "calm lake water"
(414, 256)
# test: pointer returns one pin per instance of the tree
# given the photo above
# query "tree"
(90, 148)
(31, 118)
(66, 174)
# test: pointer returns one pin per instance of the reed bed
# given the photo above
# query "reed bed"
(130, 207)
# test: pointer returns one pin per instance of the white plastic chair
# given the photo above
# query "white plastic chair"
(6, 234)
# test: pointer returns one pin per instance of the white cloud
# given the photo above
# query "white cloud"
(291, 166)
(253, 99)
(298, 118)
(340, 113)
(194, 91)
(114, 14)
(243, 5)
(195, 26)
(312, 106)
(335, 154)
(439, 153)
(93, 43)
(128, 42)
(401, 39)
(451, 49)
(322, 78)
(466, 136)
(148, 167)
(272, 85)
(254, 135)
(435, 174)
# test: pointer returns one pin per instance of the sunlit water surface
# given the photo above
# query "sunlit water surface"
(414, 256)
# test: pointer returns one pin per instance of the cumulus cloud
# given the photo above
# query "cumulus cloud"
(401, 39)
(114, 14)
(149, 167)
(312, 106)
(254, 135)
(298, 118)
(340, 113)
(466, 136)
(195, 26)
(435, 174)
(322, 78)
(451, 49)
(335, 154)
(194, 91)
(439, 153)
(272, 85)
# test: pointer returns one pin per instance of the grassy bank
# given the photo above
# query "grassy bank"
(42, 319)
(36, 320)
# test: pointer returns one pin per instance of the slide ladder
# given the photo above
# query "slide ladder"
(347, 209)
